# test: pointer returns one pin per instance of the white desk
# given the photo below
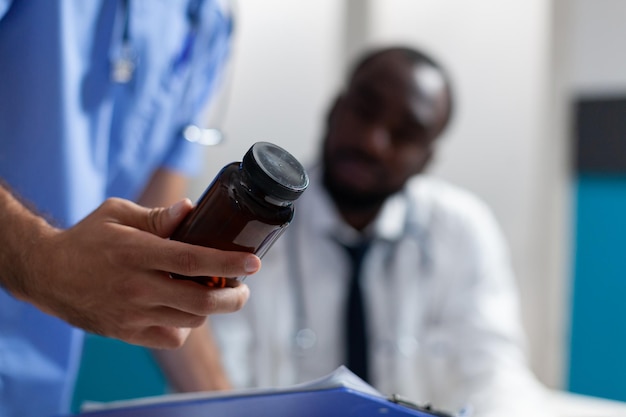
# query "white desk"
(567, 404)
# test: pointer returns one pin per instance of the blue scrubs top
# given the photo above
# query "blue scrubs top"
(71, 137)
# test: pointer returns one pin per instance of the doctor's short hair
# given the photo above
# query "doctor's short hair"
(413, 57)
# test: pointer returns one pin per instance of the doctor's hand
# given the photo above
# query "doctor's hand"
(109, 275)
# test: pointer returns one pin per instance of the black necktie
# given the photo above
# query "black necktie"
(356, 332)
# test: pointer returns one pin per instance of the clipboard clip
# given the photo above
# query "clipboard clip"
(426, 408)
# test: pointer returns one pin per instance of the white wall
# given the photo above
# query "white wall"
(290, 59)
(595, 54)
(286, 67)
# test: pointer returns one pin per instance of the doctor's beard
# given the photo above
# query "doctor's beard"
(348, 198)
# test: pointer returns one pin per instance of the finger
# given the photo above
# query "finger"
(173, 256)
(160, 221)
(158, 290)
(167, 220)
(192, 298)
(192, 260)
(223, 300)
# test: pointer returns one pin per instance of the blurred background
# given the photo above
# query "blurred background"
(539, 134)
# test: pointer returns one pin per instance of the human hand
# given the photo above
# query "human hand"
(109, 274)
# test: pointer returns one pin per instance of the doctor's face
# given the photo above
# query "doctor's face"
(382, 129)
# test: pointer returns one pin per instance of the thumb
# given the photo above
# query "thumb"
(163, 221)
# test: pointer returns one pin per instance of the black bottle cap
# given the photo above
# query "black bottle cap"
(275, 171)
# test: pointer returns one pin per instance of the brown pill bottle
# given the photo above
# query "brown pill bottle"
(246, 207)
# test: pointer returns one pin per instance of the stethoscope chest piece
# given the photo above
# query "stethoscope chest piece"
(305, 339)
(123, 66)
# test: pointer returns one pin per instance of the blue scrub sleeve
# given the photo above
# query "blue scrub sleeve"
(211, 53)
(185, 157)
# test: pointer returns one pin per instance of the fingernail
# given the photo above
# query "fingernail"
(252, 264)
(177, 208)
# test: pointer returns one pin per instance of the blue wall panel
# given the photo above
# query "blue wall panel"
(113, 370)
(598, 332)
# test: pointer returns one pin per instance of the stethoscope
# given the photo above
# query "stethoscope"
(124, 57)
(304, 336)
(124, 61)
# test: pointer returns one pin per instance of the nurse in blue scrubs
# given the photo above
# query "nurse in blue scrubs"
(94, 99)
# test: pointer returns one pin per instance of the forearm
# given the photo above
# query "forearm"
(21, 231)
(164, 188)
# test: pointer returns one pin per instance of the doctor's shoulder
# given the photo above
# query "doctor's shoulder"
(445, 205)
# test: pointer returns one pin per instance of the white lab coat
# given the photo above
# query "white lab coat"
(442, 305)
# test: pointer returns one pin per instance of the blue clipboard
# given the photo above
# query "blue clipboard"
(334, 402)
(340, 394)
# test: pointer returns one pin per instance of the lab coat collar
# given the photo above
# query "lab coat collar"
(406, 209)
